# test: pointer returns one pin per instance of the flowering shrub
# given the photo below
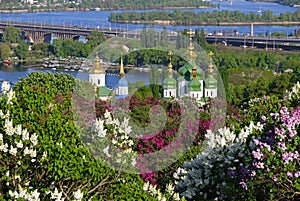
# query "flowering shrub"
(63, 168)
(261, 165)
(19, 158)
(275, 156)
(208, 175)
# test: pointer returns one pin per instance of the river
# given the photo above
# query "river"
(13, 73)
(100, 18)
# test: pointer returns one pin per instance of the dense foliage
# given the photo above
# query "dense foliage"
(258, 162)
(60, 164)
(178, 17)
(254, 158)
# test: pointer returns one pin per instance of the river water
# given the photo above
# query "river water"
(14, 72)
(100, 19)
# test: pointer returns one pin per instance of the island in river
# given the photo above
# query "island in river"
(223, 18)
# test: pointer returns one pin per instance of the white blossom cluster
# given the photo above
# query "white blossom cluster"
(168, 195)
(119, 138)
(19, 143)
(23, 193)
(223, 152)
(253, 101)
(12, 147)
(6, 91)
(295, 92)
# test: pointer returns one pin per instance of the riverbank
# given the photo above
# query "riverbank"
(4, 11)
(175, 23)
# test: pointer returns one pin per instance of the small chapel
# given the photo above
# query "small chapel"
(191, 80)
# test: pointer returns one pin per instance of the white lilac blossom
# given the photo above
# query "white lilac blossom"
(25, 194)
(153, 191)
(222, 154)
(78, 195)
(5, 87)
(295, 92)
(57, 196)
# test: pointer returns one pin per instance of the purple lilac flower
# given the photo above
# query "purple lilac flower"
(244, 185)
(253, 173)
(297, 174)
(259, 165)
(232, 173)
(289, 174)
(282, 146)
(257, 154)
(286, 157)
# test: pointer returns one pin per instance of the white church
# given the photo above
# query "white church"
(190, 80)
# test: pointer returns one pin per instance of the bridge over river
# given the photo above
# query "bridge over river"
(37, 32)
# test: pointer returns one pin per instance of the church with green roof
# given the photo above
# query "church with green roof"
(191, 80)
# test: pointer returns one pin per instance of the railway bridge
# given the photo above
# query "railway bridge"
(38, 32)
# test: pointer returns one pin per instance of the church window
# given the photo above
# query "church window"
(170, 93)
(99, 81)
(211, 94)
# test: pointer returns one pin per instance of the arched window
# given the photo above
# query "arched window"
(98, 81)
(170, 92)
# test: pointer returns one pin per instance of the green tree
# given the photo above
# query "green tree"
(155, 81)
(164, 37)
(95, 38)
(11, 34)
(22, 50)
(5, 51)
(200, 38)
(40, 50)
(144, 37)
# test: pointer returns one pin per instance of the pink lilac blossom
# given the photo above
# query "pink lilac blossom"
(257, 154)
(289, 174)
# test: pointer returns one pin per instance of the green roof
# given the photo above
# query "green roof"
(186, 70)
(195, 84)
(211, 83)
(170, 83)
(103, 91)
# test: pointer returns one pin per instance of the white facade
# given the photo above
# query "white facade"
(122, 91)
(183, 88)
(211, 93)
(168, 93)
(98, 79)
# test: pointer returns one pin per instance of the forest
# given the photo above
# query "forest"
(178, 17)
